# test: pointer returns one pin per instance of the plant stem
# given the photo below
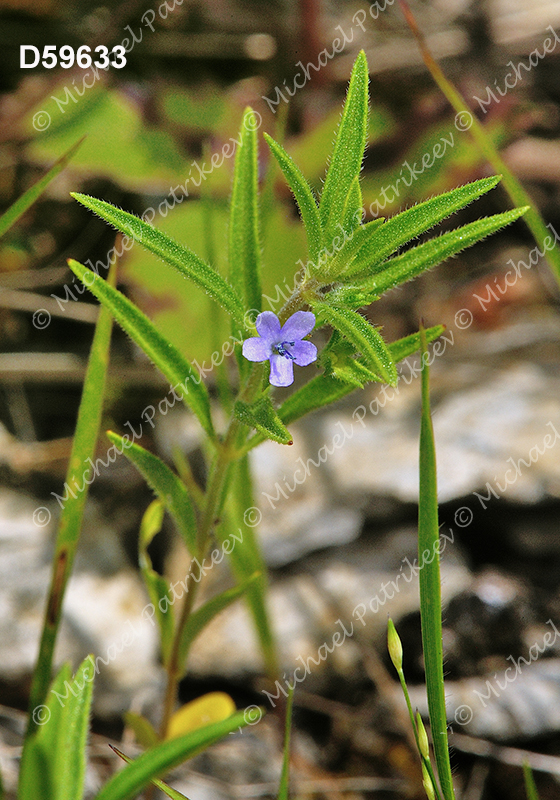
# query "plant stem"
(223, 458)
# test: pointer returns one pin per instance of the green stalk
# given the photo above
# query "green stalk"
(83, 447)
(430, 586)
(517, 193)
(223, 458)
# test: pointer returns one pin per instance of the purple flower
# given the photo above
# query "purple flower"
(282, 346)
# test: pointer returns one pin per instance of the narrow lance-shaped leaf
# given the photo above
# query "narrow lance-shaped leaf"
(412, 263)
(324, 389)
(409, 224)
(304, 197)
(200, 618)
(283, 790)
(343, 256)
(430, 586)
(244, 246)
(262, 416)
(76, 491)
(178, 256)
(159, 350)
(156, 585)
(367, 339)
(169, 487)
(352, 212)
(160, 759)
(17, 209)
(348, 150)
(164, 787)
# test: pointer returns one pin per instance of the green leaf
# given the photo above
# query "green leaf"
(200, 618)
(409, 224)
(74, 497)
(283, 791)
(239, 521)
(408, 345)
(160, 759)
(157, 586)
(145, 733)
(341, 258)
(170, 489)
(326, 389)
(244, 245)
(181, 258)
(530, 785)
(366, 339)
(316, 393)
(262, 416)
(425, 256)
(348, 150)
(165, 788)
(54, 756)
(175, 367)
(352, 213)
(430, 586)
(17, 209)
(304, 197)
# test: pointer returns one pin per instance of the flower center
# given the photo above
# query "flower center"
(281, 350)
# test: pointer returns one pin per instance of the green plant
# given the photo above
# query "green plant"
(351, 263)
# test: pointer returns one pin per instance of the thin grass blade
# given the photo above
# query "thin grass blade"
(430, 586)
(83, 448)
(17, 209)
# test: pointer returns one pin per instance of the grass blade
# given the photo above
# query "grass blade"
(160, 759)
(283, 791)
(530, 785)
(175, 367)
(17, 209)
(430, 586)
(517, 193)
(83, 448)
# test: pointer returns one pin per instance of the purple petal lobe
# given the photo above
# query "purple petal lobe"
(281, 371)
(256, 349)
(298, 325)
(268, 326)
(304, 353)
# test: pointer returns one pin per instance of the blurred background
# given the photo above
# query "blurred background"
(336, 540)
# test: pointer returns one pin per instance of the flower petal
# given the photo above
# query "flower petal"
(256, 349)
(304, 353)
(268, 326)
(298, 325)
(281, 371)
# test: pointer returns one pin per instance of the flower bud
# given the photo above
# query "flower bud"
(422, 738)
(394, 646)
